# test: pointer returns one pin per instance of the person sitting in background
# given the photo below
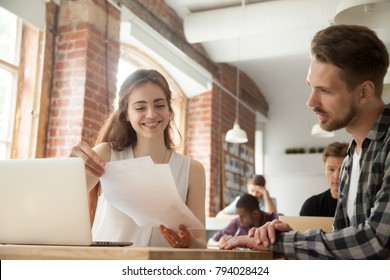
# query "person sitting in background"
(249, 215)
(324, 204)
(256, 187)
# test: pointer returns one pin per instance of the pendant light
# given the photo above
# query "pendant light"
(371, 13)
(236, 134)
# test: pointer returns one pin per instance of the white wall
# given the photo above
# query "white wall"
(289, 124)
(293, 178)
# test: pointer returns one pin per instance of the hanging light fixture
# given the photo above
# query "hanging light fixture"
(317, 131)
(236, 134)
(370, 13)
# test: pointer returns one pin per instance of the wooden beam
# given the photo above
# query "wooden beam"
(47, 78)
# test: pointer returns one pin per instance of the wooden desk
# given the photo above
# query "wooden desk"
(34, 252)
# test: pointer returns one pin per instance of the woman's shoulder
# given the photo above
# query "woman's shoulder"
(197, 171)
(178, 156)
(197, 165)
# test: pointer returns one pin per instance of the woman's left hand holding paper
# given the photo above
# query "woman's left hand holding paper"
(181, 239)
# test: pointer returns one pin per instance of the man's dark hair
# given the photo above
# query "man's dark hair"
(356, 50)
(248, 202)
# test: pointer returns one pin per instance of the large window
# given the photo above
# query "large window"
(10, 34)
(20, 68)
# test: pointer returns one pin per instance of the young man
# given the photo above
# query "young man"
(324, 204)
(249, 215)
(348, 65)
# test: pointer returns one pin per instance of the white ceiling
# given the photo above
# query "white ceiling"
(268, 40)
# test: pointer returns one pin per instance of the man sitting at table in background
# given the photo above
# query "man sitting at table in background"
(256, 187)
(249, 215)
(324, 204)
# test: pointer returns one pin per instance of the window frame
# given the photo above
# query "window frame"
(18, 142)
(14, 68)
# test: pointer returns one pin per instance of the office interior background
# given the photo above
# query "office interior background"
(62, 62)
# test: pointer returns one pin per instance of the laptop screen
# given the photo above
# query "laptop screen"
(44, 201)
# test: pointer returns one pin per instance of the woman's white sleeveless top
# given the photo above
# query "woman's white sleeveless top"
(110, 224)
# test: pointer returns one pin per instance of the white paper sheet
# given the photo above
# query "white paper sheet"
(147, 193)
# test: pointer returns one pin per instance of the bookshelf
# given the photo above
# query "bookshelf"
(237, 166)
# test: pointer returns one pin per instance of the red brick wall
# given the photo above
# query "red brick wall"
(198, 134)
(210, 116)
(80, 98)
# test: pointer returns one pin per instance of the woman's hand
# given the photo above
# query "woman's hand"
(94, 165)
(262, 190)
(182, 239)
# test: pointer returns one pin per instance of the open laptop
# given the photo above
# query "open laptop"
(45, 202)
(302, 223)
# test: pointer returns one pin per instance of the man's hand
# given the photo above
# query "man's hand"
(222, 241)
(258, 239)
(266, 234)
(243, 241)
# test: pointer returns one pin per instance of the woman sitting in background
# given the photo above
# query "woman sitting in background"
(256, 187)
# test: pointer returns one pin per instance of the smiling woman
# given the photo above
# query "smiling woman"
(149, 113)
(142, 125)
(133, 58)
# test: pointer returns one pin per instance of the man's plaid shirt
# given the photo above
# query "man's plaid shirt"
(367, 234)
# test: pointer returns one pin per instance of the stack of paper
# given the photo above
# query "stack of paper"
(147, 193)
